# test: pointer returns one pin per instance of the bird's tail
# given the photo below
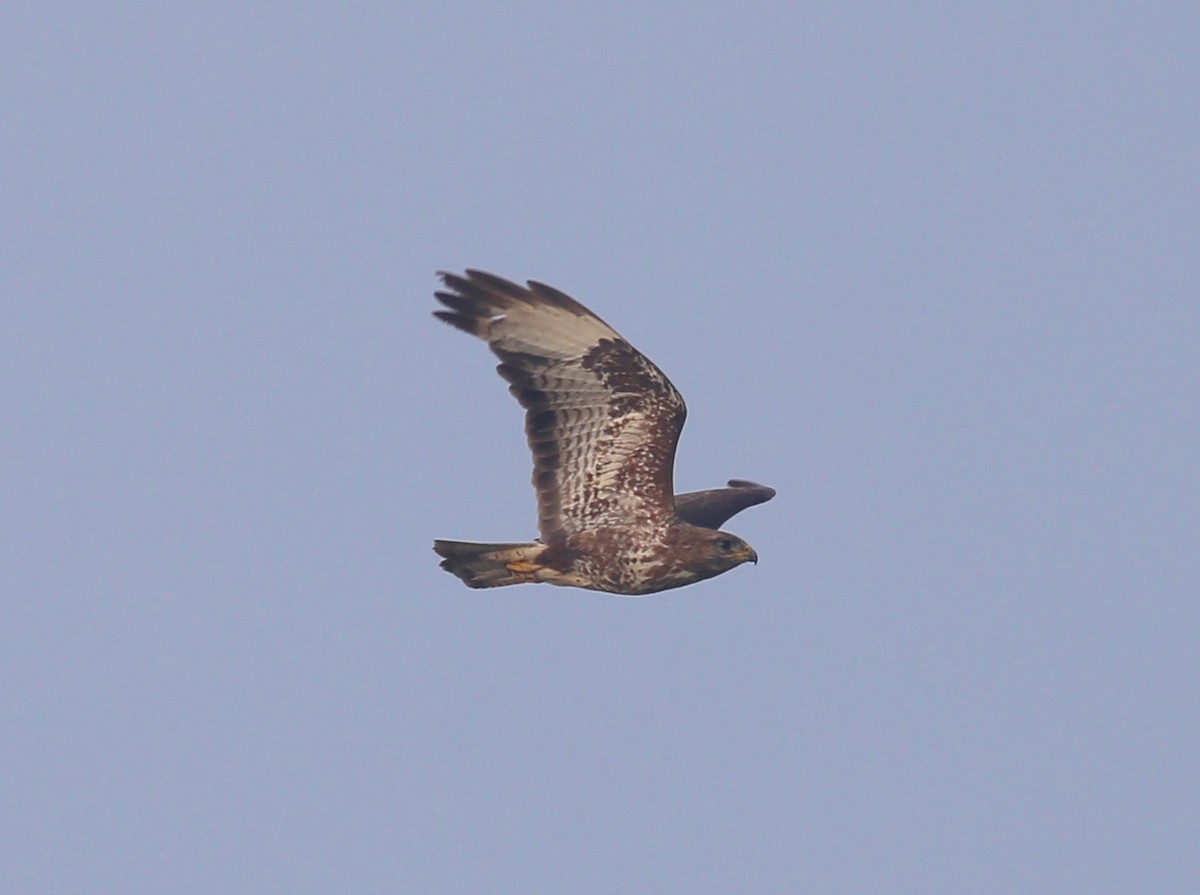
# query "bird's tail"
(490, 565)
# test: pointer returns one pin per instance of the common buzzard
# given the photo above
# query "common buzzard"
(602, 422)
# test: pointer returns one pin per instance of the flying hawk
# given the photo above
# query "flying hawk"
(602, 422)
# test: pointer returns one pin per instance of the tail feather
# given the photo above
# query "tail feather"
(489, 565)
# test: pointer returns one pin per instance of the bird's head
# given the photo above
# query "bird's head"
(718, 551)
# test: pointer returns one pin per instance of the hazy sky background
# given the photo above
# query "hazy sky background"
(930, 270)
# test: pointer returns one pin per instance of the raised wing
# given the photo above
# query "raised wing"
(712, 508)
(601, 419)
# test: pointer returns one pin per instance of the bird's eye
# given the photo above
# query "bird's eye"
(725, 544)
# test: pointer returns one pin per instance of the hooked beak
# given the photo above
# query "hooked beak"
(750, 555)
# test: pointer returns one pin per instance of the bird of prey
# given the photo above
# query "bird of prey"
(602, 422)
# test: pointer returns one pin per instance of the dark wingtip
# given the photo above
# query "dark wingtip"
(767, 491)
(488, 282)
(453, 281)
(473, 299)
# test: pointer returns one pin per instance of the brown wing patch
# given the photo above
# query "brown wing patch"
(644, 406)
(602, 420)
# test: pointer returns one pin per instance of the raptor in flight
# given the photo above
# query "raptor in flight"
(602, 422)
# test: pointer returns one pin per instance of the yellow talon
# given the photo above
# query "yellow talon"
(522, 566)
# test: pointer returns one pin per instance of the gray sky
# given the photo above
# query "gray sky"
(930, 270)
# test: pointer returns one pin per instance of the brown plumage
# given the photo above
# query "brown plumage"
(602, 422)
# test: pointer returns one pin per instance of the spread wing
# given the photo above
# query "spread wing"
(711, 509)
(601, 419)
